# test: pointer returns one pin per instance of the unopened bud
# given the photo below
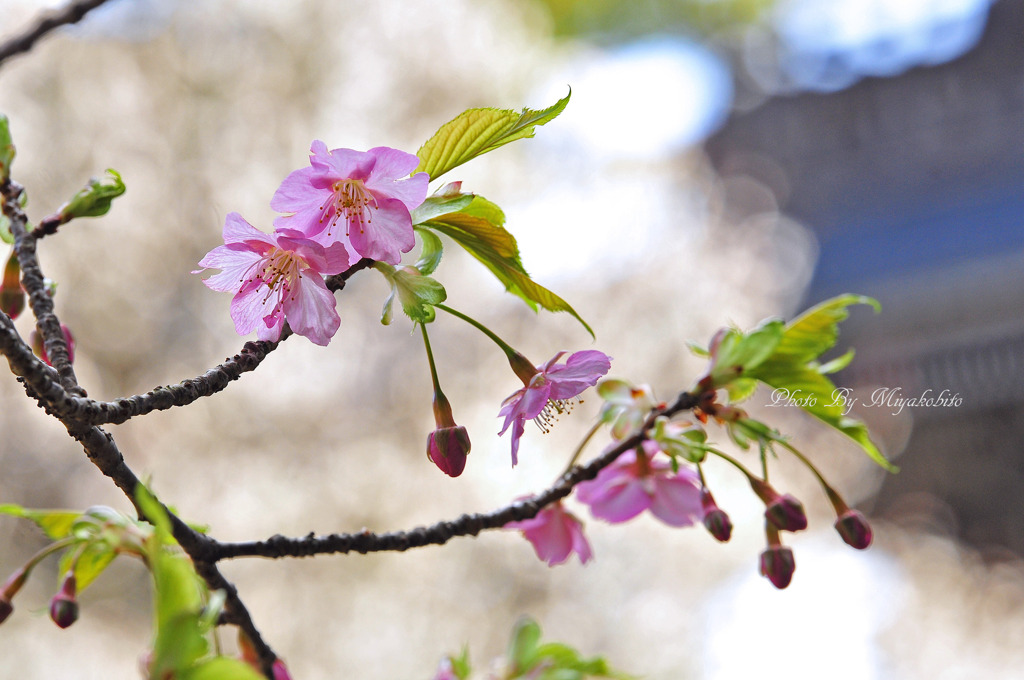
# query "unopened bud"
(778, 565)
(716, 521)
(280, 671)
(63, 606)
(12, 295)
(36, 339)
(786, 513)
(447, 448)
(854, 529)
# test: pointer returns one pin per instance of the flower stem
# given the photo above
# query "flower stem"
(430, 359)
(582, 445)
(505, 347)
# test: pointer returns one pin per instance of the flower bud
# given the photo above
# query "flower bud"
(447, 448)
(36, 340)
(12, 295)
(716, 521)
(63, 606)
(280, 671)
(854, 529)
(778, 565)
(786, 513)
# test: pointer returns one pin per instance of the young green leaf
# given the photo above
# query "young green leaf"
(793, 367)
(221, 668)
(6, 148)
(94, 199)
(477, 131)
(56, 523)
(417, 293)
(430, 253)
(479, 229)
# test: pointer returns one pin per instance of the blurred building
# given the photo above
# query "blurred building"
(914, 187)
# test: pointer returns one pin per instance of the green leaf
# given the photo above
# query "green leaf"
(477, 131)
(90, 563)
(93, 200)
(479, 229)
(793, 366)
(6, 148)
(438, 205)
(5, 229)
(221, 668)
(417, 293)
(430, 253)
(56, 523)
(739, 353)
(523, 647)
(816, 331)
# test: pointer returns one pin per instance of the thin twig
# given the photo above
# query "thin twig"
(48, 21)
(441, 532)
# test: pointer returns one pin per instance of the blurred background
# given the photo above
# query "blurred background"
(720, 162)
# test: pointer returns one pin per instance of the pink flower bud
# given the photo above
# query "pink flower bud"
(36, 339)
(63, 606)
(786, 513)
(447, 448)
(854, 529)
(12, 295)
(280, 671)
(716, 521)
(778, 565)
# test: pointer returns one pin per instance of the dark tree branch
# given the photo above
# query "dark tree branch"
(99, 445)
(32, 281)
(24, 41)
(441, 532)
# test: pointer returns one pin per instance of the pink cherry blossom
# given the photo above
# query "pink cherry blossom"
(276, 278)
(369, 192)
(633, 484)
(555, 534)
(550, 388)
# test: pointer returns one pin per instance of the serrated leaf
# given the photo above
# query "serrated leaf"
(479, 229)
(816, 394)
(816, 331)
(477, 131)
(55, 523)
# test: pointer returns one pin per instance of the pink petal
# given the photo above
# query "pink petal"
(343, 164)
(580, 371)
(235, 263)
(387, 235)
(297, 194)
(619, 501)
(311, 309)
(391, 164)
(677, 501)
(248, 307)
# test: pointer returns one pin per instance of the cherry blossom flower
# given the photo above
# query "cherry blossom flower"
(555, 535)
(548, 390)
(276, 278)
(634, 483)
(368, 192)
